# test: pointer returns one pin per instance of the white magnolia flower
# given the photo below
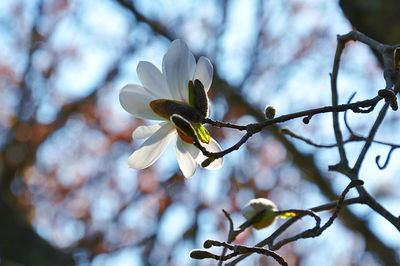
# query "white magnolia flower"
(178, 68)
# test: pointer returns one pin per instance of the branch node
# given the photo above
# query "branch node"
(356, 183)
(389, 97)
(253, 128)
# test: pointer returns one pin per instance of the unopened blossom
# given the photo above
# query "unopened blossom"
(165, 95)
(256, 206)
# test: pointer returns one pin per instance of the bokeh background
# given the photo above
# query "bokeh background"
(67, 196)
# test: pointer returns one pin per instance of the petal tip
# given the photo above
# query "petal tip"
(190, 174)
(178, 42)
(129, 164)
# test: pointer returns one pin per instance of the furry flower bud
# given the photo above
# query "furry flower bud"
(257, 206)
(270, 112)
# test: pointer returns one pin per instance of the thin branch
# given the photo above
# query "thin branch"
(317, 230)
(339, 204)
(237, 250)
(308, 141)
(231, 236)
(369, 140)
(257, 127)
(353, 138)
(335, 116)
(223, 124)
(378, 208)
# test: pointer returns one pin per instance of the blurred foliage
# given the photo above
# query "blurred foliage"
(64, 139)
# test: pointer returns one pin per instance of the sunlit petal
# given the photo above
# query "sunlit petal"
(186, 162)
(178, 67)
(153, 80)
(213, 146)
(135, 99)
(204, 72)
(192, 149)
(152, 148)
(142, 132)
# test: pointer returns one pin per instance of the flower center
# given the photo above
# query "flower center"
(193, 113)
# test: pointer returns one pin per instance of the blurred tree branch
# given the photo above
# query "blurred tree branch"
(15, 231)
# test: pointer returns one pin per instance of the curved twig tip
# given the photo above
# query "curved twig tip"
(385, 164)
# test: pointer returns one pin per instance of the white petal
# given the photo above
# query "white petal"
(204, 72)
(192, 149)
(153, 80)
(152, 148)
(135, 99)
(142, 132)
(178, 67)
(186, 162)
(213, 146)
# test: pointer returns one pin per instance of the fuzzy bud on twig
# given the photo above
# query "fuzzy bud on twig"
(270, 112)
(265, 207)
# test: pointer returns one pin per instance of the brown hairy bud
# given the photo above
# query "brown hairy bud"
(270, 112)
